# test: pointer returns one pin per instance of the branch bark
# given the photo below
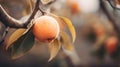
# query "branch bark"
(8, 20)
(36, 8)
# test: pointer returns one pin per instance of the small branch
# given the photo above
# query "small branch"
(4, 35)
(8, 20)
(36, 8)
(43, 13)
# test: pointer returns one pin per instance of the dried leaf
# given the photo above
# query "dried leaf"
(15, 36)
(22, 45)
(68, 48)
(70, 26)
(54, 47)
(65, 41)
(58, 20)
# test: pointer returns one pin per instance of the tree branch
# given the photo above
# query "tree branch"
(36, 8)
(115, 21)
(12, 22)
(8, 20)
(113, 5)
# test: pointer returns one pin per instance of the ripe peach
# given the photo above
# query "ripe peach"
(111, 44)
(46, 28)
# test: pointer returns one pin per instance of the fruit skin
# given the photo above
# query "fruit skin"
(46, 28)
(111, 44)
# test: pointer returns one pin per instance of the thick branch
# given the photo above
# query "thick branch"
(12, 22)
(8, 20)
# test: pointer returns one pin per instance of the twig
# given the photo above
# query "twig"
(4, 35)
(36, 8)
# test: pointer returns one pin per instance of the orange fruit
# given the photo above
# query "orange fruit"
(46, 28)
(111, 44)
(74, 5)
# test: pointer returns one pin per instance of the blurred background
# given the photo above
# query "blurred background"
(97, 31)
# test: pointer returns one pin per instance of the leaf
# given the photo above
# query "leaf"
(68, 48)
(22, 45)
(54, 47)
(70, 26)
(65, 41)
(15, 36)
(58, 20)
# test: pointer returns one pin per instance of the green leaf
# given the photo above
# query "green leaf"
(54, 47)
(22, 45)
(70, 26)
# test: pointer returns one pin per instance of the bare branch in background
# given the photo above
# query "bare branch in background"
(111, 17)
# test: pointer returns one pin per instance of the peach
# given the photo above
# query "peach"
(46, 28)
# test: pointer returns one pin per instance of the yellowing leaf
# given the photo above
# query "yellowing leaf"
(65, 41)
(70, 26)
(58, 20)
(15, 36)
(22, 45)
(54, 47)
(68, 48)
